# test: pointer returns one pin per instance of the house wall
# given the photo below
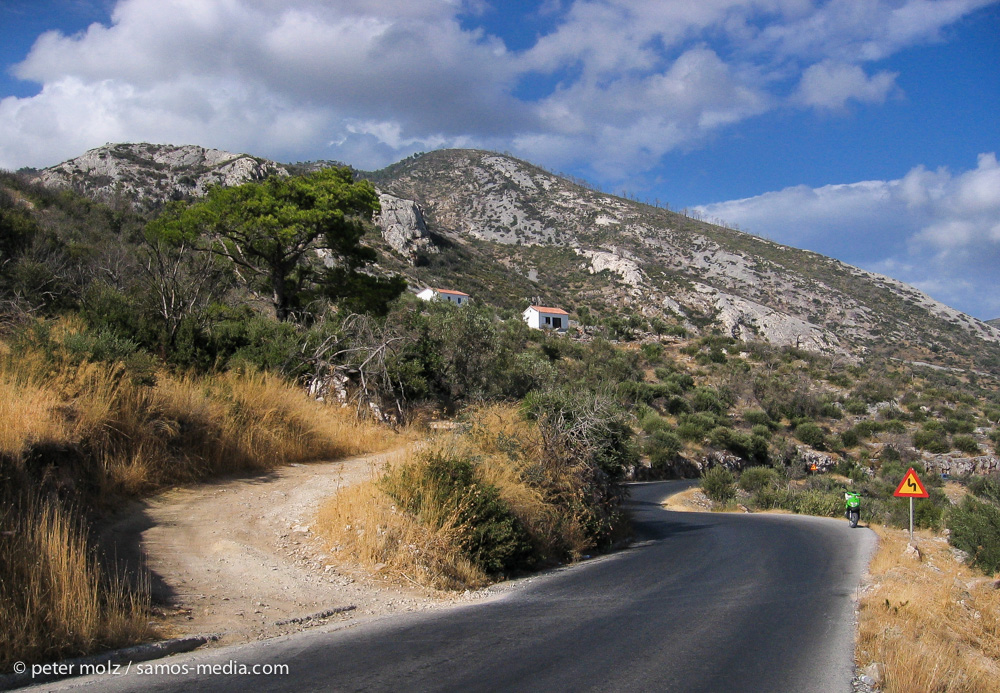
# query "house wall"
(430, 294)
(537, 320)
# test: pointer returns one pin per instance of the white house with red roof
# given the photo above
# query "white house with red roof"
(542, 318)
(456, 297)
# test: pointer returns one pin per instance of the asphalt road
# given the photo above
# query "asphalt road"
(703, 602)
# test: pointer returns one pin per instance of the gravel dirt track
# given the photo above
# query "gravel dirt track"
(238, 557)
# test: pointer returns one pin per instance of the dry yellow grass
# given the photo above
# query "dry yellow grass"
(932, 624)
(180, 429)
(364, 525)
(28, 417)
(87, 431)
(54, 601)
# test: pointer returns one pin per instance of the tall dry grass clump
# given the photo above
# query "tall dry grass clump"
(932, 624)
(54, 600)
(88, 435)
(129, 437)
(468, 508)
(364, 523)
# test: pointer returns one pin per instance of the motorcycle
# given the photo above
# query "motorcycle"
(852, 503)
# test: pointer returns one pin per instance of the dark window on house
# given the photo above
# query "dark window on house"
(548, 320)
(557, 323)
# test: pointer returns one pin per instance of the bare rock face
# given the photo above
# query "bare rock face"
(745, 319)
(961, 466)
(616, 264)
(148, 174)
(403, 226)
(813, 460)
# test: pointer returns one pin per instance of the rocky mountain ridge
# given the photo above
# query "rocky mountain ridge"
(658, 262)
(509, 232)
(149, 174)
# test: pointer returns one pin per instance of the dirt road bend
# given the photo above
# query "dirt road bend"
(239, 557)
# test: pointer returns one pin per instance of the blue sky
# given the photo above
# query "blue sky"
(867, 130)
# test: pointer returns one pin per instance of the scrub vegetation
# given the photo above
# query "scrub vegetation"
(515, 491)
(137, 352)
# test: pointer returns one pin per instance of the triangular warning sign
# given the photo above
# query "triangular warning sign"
(910, 486)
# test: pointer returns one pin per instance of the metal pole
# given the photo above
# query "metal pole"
(911, 519)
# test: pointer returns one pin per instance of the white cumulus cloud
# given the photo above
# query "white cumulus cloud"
(370, 81)
(831, 85)
(937, 230)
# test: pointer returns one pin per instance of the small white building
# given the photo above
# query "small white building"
(456, 297)
(542, 318)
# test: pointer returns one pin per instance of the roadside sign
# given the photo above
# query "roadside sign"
(911, 487)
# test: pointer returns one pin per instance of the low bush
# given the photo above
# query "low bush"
(662, 446)
(719, 484)
(933, 440)
(756, 479)
(811, 434)
(442, 491)
(975, 529)
(757, 417)
(818, 502)
(986, 487)
(449, 517)
(965, 443)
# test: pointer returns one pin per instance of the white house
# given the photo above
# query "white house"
(542, 318)
(456, 297)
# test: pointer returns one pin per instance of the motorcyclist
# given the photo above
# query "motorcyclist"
(852, 504)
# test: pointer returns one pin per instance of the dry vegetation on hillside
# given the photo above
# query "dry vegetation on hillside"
(77, 435)
(931, 624)
(505, 495)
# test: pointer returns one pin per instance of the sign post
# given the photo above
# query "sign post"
(911, 487)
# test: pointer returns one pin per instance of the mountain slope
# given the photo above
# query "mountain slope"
(655, 261)
(510, 233)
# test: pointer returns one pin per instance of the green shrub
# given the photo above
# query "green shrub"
(595, 426)
(677, 405)
(652, 352)
(831, 411)
(894, 426)
(933, 441)
(986, 487)
(769, 498)
(856, 407)
(761, 431)
(707, 399)
(662, 447)
(890, 454)
(819, 502)
(811, 434)
(927, 512)
(442, 488)
(755, 479)
(866, 428)
(850, 438)
(965, 443)
(719, 484)
(757, 417)
(652, 422)
(975, 529)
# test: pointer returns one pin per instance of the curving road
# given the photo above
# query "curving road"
(703, 602)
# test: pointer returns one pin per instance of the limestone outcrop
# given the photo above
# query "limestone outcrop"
(402, 226)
